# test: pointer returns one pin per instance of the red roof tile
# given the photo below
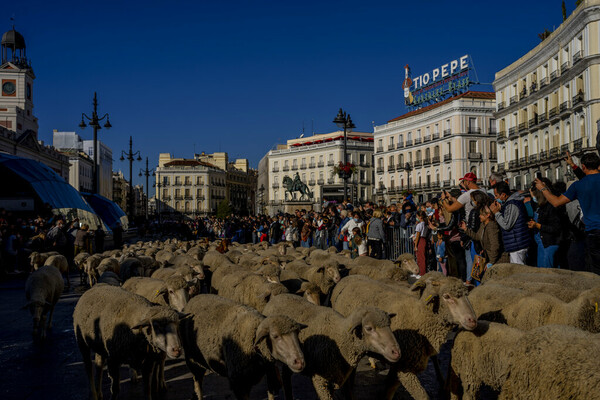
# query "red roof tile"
(469, 94)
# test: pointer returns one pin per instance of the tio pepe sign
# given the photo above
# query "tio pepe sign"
(438, 84)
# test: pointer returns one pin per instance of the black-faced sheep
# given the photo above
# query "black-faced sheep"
(333, 344)
(124, 328)
(422, 322)
(237, 342)
(43, 289)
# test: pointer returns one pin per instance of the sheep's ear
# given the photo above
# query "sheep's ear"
(145, 323)
(356, 325)
(261, 333)
(418, 285)
(184, 315)
(391, 315)
(161, 292)
(266, 296)
(300, 291)
(301, 326)
(321, 269)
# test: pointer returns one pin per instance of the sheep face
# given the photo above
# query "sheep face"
(163, 334)
(410, 266)
(373, 327)
(176, 298)
(310, 292)
(281, 335)
(331, 272)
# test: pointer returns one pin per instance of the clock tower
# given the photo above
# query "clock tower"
(16, 86)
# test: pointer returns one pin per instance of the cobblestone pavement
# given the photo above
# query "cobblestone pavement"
(54, 370)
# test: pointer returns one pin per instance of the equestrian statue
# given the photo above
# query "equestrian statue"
(296, 185)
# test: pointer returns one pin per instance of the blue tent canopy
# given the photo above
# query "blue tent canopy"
(51, 188)
(107, 210)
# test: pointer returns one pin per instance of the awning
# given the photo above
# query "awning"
(107, 210)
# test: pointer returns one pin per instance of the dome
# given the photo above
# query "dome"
(13, 40)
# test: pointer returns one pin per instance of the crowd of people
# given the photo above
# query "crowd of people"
(545, 225)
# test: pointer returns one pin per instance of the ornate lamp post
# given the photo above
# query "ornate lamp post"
(158, 185)
(147, 172)
(344, 121)
(94, 122)
(131, 157)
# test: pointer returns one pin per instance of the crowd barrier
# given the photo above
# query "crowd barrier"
(398, 241)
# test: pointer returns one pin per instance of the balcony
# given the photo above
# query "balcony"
(577, 145)
(533, 88)
(543, 155)
(275, 169)
(474, 156)
(533, 158)
(177, 183)
(522, 126)
(447, 157)
(554, 152)
(275, 186)
(564, 106)
(166, 198)
(475, 130)
(502, 135)
(399, 146)
(365, 164)
(188, 183)
(447, 183)
(294, 168)
(426, 161)
(513, 100)
(552, 113)
(380, 149)
(447, 132)
(417, 141)
(543, 82)
(311, 182)
(500, 105)
(391, 168)
(200, 198)
(399, 167)
(501, 167)
(512, 164)
(330, 181)
(380, 170)
(564, 67)
(178, 197)
(542, 118)
(564, 148)
(553, 76)
(435, 160)
(533, 121)
(523, 161)
(189, 197)
(436, 135)
(523, 93)
(302, 166)
(492, 131)
(409, 142)
(321, 164)
(320, 181)
(578, 98)
(286, 168)
(512, 132)
(577, 56)
(418, 164)
(330, 163)
(312, 165)
(427, 138)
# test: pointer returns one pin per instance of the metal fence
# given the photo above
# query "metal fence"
(398, 241)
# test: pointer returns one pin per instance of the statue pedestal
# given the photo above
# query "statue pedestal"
(289, 206)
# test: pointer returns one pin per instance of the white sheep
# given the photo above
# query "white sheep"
(173, 291)
(43, 289)
(61, 264)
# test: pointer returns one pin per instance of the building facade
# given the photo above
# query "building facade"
(81, 175)
(120, 190)
(18, 125)
(313, 158)
(433, 147)
(188, 187)
(548, 101)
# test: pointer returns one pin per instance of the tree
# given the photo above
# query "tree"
(564, 11)
(544, 34)
(223, 209)
(578, 2)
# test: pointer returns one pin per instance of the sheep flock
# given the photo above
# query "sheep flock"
(253, 311)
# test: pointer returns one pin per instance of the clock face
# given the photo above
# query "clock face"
(8, 88)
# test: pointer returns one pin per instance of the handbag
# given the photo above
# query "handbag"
(479, 266)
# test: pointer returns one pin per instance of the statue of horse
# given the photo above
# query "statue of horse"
(299, 186)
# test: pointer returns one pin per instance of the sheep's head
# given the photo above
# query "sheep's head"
(176, 291)
(310, 292)
(407, 262)
(372, 326)
(161, 329)
(270, 271)
(447, 296)
(277, 337)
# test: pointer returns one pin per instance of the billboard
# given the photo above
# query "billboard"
(438, 84)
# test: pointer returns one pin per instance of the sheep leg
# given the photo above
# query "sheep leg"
(286, 377)
(453, 385)
(147, 378)
(198, 374)
(50, 318)
(43, 327)
(273, 381)
(348, 386)
(115, 386)
(87, 363)
(323, 387)
(162, 385)
(99, 361)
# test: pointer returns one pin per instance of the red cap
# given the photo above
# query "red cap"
(469, 176)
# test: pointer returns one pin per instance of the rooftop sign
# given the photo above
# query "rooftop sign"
(445, 81)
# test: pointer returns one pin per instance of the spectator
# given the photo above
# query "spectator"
(511, 215)
(457, 262)
(57, 237)
(440, 253)
(586, 191)
(82, 238)
(118, 235)
(355, 222)
(306, 234)
(420, 241)
(547, 226)
(357, 243)
(489, 235)
(376, 235)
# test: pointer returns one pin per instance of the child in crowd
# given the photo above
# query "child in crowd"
(358, 244)
(440, 253)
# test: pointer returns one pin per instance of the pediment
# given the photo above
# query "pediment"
(8, 65)
(28, 139)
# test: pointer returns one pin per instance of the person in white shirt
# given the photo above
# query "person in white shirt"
(350, 225)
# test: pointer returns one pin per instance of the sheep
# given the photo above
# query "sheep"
(173, 291)
(79, 261)
(43, 289)
(325, 275)
(237, 342)
(377, 272)
(196, 252)
(309, 291)
(90, 266)
(213, 260)
(109, 264)
(38, 259)
(61, 264)
(183, 260)
(422, 322)
(488, 300)
(125, 329)
(333, 345)
(131, 267)
(250, 289)
(186, 272)
(564, 286)
(271, 272)
(408, 262)
(110, 278)
(164, 256)
(499, 271)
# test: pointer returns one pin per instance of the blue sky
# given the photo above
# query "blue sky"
(241, 76)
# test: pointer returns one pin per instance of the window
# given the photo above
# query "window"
(321, 159)
(400, 139)
(330, 157)
(492, 125)
(294, 163)
(362, 158)
(391, 144)
(380, 163)
(286, 164)
(436, 128)
(380, 144)
(391, 161)
(472, 146)
(472, 124)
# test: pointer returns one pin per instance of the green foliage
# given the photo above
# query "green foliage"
(564, 11)
(223, 209)
(578, 2)
(544, 34)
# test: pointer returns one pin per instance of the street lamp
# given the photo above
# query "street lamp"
(344, 121)
(131, 157)
(158, 185)
(94, 122)
(262, 193)
(408, 169)
(147, 172)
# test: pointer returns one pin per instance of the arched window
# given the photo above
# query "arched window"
(401, 160)
(418, 155)
(427, 154)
